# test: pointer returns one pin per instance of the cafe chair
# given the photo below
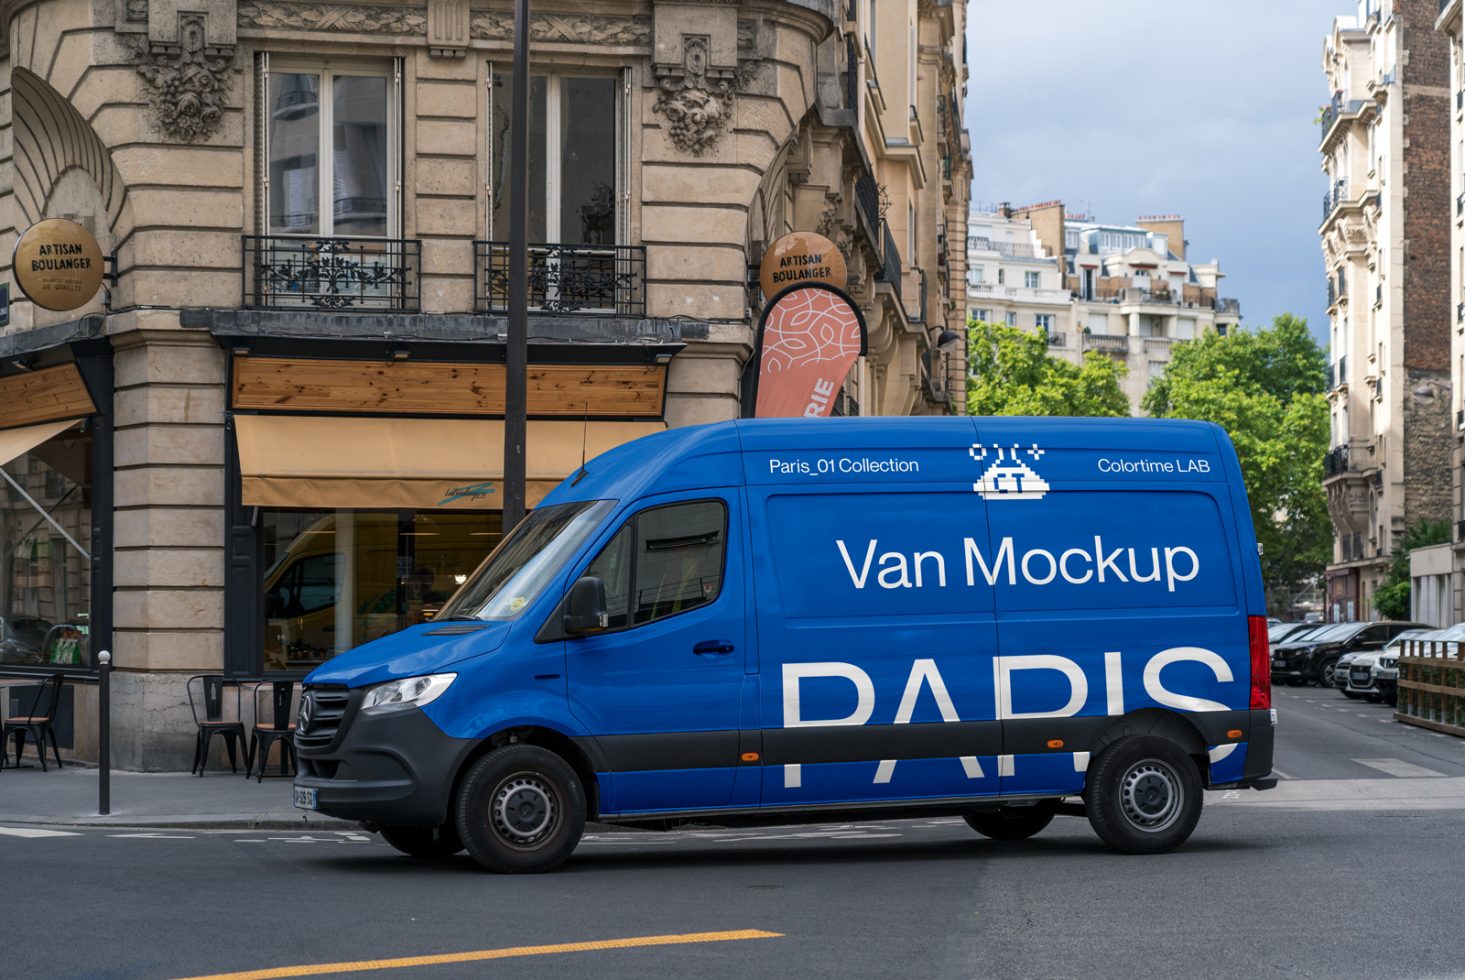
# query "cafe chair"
(37, 723)
(280, 728)
(210, 692)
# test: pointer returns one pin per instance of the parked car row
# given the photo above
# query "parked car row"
(1359, 659)
(1303, 653)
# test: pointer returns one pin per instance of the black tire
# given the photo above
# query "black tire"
(424, 842)
(521, 810)
(1143, 795)
(1324, 673)
(1013, 822)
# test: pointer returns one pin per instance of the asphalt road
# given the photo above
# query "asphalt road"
(1353, 867)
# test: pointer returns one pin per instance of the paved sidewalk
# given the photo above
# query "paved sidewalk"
(218, 800)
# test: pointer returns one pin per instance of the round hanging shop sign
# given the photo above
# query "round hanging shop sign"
(58, 264)
(801, 259)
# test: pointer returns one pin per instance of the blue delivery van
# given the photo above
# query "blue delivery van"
(774, 621)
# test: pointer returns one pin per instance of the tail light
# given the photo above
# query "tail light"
(1261, 663)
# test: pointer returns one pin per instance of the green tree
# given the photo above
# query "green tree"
(1266, 389)
(1391, 599)
(1011, 373)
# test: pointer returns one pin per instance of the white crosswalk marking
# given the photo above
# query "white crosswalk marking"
(153, 836)
(1398, 767)
(29, 832)
(1447, 793)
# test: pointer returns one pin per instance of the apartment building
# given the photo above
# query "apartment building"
(1127, 291)
(276, 432)
(1385, 148)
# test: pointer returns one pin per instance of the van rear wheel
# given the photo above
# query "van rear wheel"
(1143, 795)
(1012, 822)
(521, 810)
(424, 842)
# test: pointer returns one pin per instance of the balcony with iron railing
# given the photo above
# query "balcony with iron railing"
(580, 280)
(890, 271)
(1013, 250)
(358, 275)
(1107, 343)
(1333, 197)
(1335, 110)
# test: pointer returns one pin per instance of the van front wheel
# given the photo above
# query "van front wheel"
(1143, 795)
(1013, 822)
(521, 810)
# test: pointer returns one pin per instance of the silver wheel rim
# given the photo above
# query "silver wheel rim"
(1151, 796)
(1329, 672)
(524, 810)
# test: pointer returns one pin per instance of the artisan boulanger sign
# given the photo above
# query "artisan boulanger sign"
(58, 264)
(800, 259)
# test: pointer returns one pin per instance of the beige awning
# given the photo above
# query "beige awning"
(15, 442)
(411, 463)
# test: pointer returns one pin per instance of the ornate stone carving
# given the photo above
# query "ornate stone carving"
(135, 11)
(498, 25)
(333, 18)
(695, 97)
(189, 79)
(447, 28)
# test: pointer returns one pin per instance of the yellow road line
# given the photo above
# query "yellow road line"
(491, 954)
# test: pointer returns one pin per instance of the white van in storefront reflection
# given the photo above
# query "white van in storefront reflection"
(341, 584)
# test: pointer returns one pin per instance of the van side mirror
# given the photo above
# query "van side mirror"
(585, 607)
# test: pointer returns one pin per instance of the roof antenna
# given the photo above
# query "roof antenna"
(584, 438)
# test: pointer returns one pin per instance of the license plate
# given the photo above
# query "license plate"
(1276, 661)
(305, 798)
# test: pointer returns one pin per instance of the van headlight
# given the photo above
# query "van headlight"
(408, 691)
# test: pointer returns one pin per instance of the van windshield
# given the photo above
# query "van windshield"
(519, 568)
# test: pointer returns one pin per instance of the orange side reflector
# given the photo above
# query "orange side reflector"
(1234, 733)
(750, 756)
(1055, 743)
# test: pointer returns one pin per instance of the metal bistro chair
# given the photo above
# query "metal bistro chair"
(210, 695)
(280, 728)
(37, 723)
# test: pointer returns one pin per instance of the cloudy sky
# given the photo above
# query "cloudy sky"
(1126, 108)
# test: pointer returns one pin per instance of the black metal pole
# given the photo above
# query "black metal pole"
(517, 354)
(104, 733)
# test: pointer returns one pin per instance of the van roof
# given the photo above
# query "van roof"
(695, 457)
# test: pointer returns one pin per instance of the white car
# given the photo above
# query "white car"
(1375, 674)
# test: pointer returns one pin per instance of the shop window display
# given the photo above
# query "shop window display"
(336, 579)
(45, 570)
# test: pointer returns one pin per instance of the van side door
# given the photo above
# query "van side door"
(661, 689)
(875, 651)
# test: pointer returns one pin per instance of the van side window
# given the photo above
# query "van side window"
(662, 562)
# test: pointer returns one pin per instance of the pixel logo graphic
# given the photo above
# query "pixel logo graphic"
(1009, 478)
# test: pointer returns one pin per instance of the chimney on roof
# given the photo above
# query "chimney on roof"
(1005, 209)
(1047, 222)
(1172, 226)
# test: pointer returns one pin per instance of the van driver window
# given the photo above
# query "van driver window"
(662, 562)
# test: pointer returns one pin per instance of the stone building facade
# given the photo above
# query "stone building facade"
(1385, 146)
(252, 440)
(1126, 291)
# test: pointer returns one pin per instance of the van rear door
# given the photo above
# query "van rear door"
(1117, 588)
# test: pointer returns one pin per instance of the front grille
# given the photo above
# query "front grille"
(328, 706)
(1360, 676)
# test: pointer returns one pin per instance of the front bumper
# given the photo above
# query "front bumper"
(393, 769)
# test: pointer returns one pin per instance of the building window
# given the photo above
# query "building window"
(1010, 318)
(1043, 321)
(338, 578)
(45, 573)
(976, 275)
(331, 137)
(982, 316)
(1030, 280)
(1001, 277)
(575, 172)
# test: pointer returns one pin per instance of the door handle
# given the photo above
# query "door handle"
(712, 648)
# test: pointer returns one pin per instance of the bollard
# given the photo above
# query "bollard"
(104, 733)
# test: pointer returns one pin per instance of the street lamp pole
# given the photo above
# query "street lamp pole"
(517, 353)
